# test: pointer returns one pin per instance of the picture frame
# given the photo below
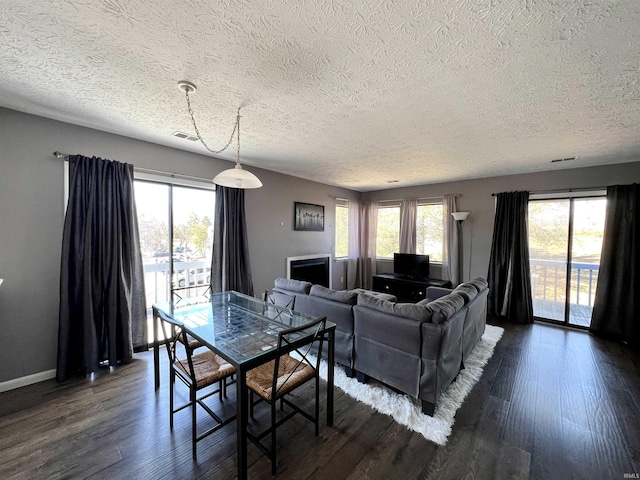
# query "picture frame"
(308, 217)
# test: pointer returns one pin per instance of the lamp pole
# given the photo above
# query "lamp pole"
(460, 255)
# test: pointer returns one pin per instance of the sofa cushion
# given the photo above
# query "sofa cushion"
(444, 307)
(466, 291)
(407, 310)
(340, 296)
(479, 283)
(297, 286)
(383, 296)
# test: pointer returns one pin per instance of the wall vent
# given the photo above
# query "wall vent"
(185, 136)
(563, 159)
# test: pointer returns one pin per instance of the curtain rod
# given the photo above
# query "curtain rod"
(564, 190)
(147, 170)
(421, 198)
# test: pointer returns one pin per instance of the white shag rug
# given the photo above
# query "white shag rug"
(406, 410)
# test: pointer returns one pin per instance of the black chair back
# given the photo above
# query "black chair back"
(293, 335)
(177, 340)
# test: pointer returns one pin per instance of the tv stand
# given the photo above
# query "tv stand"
(406, 288)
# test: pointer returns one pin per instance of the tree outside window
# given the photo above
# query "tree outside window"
(388, 234)
(342, 229)
(430, 231)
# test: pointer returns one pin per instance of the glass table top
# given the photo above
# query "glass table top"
(238, 326)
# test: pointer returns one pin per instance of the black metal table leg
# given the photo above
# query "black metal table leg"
(330, 366)
(242, 406)
(156, 349)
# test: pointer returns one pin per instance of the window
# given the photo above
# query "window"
(565, 242)
(430, 230)
(388, 234)
(175, 223)
(342, 229)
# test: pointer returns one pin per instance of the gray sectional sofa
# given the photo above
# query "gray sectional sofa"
(417, 348)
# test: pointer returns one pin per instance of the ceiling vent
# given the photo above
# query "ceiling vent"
(563, 159)
(184, 136)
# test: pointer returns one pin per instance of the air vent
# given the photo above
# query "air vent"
(184, 136)
(563, 159)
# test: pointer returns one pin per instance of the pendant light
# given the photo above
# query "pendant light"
(236, 177)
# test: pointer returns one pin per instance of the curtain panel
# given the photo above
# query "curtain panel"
(361, 262)
(230, 265)
(409, 211)
(509, 273)
(616, 308)
(102, 313)
(450, 243)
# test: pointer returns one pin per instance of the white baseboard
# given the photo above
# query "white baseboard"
(28, 380)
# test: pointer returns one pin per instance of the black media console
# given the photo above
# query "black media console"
(406, 289)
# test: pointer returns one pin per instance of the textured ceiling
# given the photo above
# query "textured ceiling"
(346, 93)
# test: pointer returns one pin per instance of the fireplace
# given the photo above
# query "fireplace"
(310, 268)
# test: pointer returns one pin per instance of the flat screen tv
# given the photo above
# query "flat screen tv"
(411, 265)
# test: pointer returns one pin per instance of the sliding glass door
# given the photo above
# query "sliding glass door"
(565, 240)
(176, 239)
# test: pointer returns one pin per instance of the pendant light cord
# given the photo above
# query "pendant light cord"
(236, 128)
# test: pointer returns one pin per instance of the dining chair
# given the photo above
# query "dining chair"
(194, 342)
(272, 381)
(178, 292)
(280, 299)
(197, 372)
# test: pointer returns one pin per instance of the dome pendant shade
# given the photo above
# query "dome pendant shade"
(237, 178)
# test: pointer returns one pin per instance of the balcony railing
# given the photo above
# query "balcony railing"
(548, 284)
(159, 286)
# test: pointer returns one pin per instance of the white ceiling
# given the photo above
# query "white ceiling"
(347, 93)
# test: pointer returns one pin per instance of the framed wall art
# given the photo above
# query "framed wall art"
(308, 217)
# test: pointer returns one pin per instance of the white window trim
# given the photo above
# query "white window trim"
(562, 195)
(173, 180)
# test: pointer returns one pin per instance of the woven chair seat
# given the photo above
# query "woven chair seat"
(290, 373)
(208, 368)
(193, 342)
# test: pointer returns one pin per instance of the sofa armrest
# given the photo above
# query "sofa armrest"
(436, 292)
(441, 355)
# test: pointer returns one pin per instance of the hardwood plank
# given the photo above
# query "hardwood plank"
(398, 462)
(503, 386)
(552, 403)
(520, 420)
(512, 463)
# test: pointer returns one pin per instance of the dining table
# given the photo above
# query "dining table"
(243, 330)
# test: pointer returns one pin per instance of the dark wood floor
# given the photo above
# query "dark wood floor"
(551, 404)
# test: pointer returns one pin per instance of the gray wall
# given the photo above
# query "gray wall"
(31, 221)
(476, 198)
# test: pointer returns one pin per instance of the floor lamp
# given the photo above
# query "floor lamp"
(460, 217)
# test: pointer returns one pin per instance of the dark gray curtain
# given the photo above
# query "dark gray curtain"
(509, 275)
(102, 312)
(616, 309)
(230, 267)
